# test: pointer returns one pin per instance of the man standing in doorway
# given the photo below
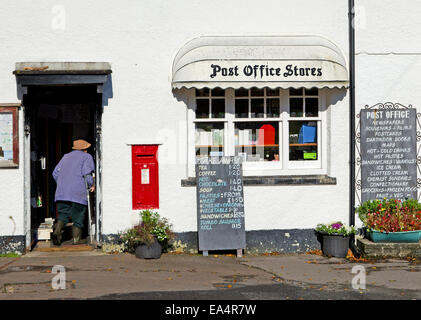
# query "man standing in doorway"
(70, 174)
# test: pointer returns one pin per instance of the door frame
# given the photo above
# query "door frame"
(102, 80)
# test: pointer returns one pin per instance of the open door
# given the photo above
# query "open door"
(56, 116)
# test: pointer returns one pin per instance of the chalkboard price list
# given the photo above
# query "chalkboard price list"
(220, 203)
(388, 154)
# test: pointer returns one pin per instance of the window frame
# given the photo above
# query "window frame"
(320, 119)
(267, 168)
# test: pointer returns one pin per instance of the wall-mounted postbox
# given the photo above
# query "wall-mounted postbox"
(145, 188)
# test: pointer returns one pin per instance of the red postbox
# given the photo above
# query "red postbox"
(145, 188)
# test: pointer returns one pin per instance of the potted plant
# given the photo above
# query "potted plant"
(150, 237)
(335, 238)
(391, 220)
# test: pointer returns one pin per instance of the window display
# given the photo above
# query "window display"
(251, 123)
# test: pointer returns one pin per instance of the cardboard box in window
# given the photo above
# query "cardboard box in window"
(307, 134)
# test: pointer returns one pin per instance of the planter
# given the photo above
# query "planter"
(152, 251)
(335, 245)
(402, 237)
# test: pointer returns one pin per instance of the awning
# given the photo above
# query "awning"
(268, 61)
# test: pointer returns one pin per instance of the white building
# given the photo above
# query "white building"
(188, 75)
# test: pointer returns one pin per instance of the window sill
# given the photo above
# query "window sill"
(276, 180)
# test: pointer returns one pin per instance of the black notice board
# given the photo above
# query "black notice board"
(388, 154)
(220, 203)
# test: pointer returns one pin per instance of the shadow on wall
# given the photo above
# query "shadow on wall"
(336, 95)
(181, 95)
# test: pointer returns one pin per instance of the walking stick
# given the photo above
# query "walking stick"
(89, 210)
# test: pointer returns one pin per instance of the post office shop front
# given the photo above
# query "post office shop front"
(270, 101)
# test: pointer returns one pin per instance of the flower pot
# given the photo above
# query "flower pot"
(402, 237)
(335, 245)
(152, 251)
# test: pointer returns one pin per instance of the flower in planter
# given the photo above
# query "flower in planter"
(336, 228)
(390, 215)
(153, 227)
(337, 225)
(335, 238)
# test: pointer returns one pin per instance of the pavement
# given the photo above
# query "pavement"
(96, 275)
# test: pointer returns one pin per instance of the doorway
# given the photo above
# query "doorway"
(57, 115)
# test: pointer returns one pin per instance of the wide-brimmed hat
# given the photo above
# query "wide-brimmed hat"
(80, 144)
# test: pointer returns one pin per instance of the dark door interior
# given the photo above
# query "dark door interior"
(57, 116)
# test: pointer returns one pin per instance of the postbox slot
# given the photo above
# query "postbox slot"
(144, 155)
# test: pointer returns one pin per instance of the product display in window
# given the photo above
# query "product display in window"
(209, 139)
(302, 140)
(253, 123)
(257, 141)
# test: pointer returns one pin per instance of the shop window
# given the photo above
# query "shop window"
(209, 139)
(274, 130)
(303, 140)
(210, 103)
(303, 102)
(257, 141)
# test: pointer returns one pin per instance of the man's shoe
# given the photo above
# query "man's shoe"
(77, 235)
(56, 236)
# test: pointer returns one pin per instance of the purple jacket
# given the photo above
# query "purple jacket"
(69, 176)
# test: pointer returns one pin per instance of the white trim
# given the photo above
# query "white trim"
(191, 116)
(27, 185)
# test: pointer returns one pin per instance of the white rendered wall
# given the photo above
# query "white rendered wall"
(388, 53)
(140, 40)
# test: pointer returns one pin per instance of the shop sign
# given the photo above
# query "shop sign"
(267, 71)
(388, 154)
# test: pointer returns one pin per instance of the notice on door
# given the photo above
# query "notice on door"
(388, 154)
(220, 203)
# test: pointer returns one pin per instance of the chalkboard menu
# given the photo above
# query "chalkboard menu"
(388, 154)
(220, 203)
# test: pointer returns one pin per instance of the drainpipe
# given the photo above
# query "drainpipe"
(351, 16)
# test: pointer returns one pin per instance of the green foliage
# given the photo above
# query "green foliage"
(10, 255)
(412, 204)
(390, 215)
(152, 227)
(366, 207)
